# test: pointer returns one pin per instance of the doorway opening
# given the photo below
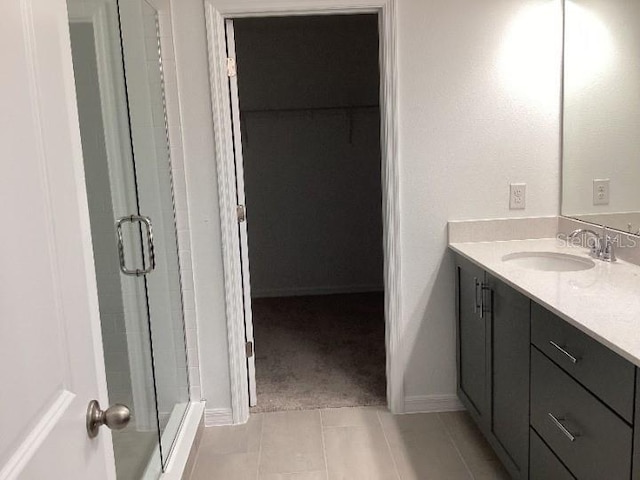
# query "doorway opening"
(305, 103)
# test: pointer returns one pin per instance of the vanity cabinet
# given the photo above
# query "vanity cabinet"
(585, 434)
(473, 346)
(544, 465)
(609, 376)
(493, 362)
(582, 399)
(552, 402)
(509, 315)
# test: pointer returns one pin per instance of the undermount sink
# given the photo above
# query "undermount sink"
(549, 261)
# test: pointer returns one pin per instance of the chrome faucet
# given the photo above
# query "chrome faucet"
(595, 247)
(608, 253)
(602, 247)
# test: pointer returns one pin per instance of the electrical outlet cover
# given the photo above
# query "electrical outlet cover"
(601, 191)
(517, 196)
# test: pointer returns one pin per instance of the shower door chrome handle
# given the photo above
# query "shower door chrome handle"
(150, 247)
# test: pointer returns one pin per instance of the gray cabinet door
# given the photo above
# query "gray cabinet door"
(472, 341)
(510, 334)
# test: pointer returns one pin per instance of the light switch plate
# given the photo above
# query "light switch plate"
(517, 196)
(601, 191)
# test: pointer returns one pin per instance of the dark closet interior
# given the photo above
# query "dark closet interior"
(310, 124)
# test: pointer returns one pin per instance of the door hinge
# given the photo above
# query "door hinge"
(231, 67)
(241, 213)
(249, 349)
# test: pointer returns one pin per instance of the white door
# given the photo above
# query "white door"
(50, 344)
(242, 225)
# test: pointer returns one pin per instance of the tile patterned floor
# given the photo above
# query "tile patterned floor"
(361, 443)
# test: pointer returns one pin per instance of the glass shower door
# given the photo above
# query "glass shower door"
(116, 49)
(112, 196)
(143, 43)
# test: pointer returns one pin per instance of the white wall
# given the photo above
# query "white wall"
(200, 230)
(312, 175)
(602, 115)
(479, 90)
(479, 108)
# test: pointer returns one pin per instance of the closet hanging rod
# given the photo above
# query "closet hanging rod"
(309, 109)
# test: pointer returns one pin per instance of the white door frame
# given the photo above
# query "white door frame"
(241, 200)
(216, 13)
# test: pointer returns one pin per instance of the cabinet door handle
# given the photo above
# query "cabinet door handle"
(477, 307)
(483, 307)
(558, 423)
(567, 354)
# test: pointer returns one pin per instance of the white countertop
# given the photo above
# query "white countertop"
(603, 302)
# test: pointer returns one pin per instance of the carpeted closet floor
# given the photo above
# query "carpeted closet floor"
(319, 351)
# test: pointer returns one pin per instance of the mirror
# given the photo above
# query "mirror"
(601, 118)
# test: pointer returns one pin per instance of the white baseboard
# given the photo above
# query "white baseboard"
(319, 290)
(432, 403)
(215, 417)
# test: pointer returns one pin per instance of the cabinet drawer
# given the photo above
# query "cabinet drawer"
(606, 374)
(544, 465)
(562, 408)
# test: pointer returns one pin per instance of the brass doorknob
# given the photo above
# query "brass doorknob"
(116, 417)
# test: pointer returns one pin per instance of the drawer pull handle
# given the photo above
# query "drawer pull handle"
(563, 429)
(569, 356)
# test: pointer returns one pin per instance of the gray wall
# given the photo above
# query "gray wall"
(311, 146)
